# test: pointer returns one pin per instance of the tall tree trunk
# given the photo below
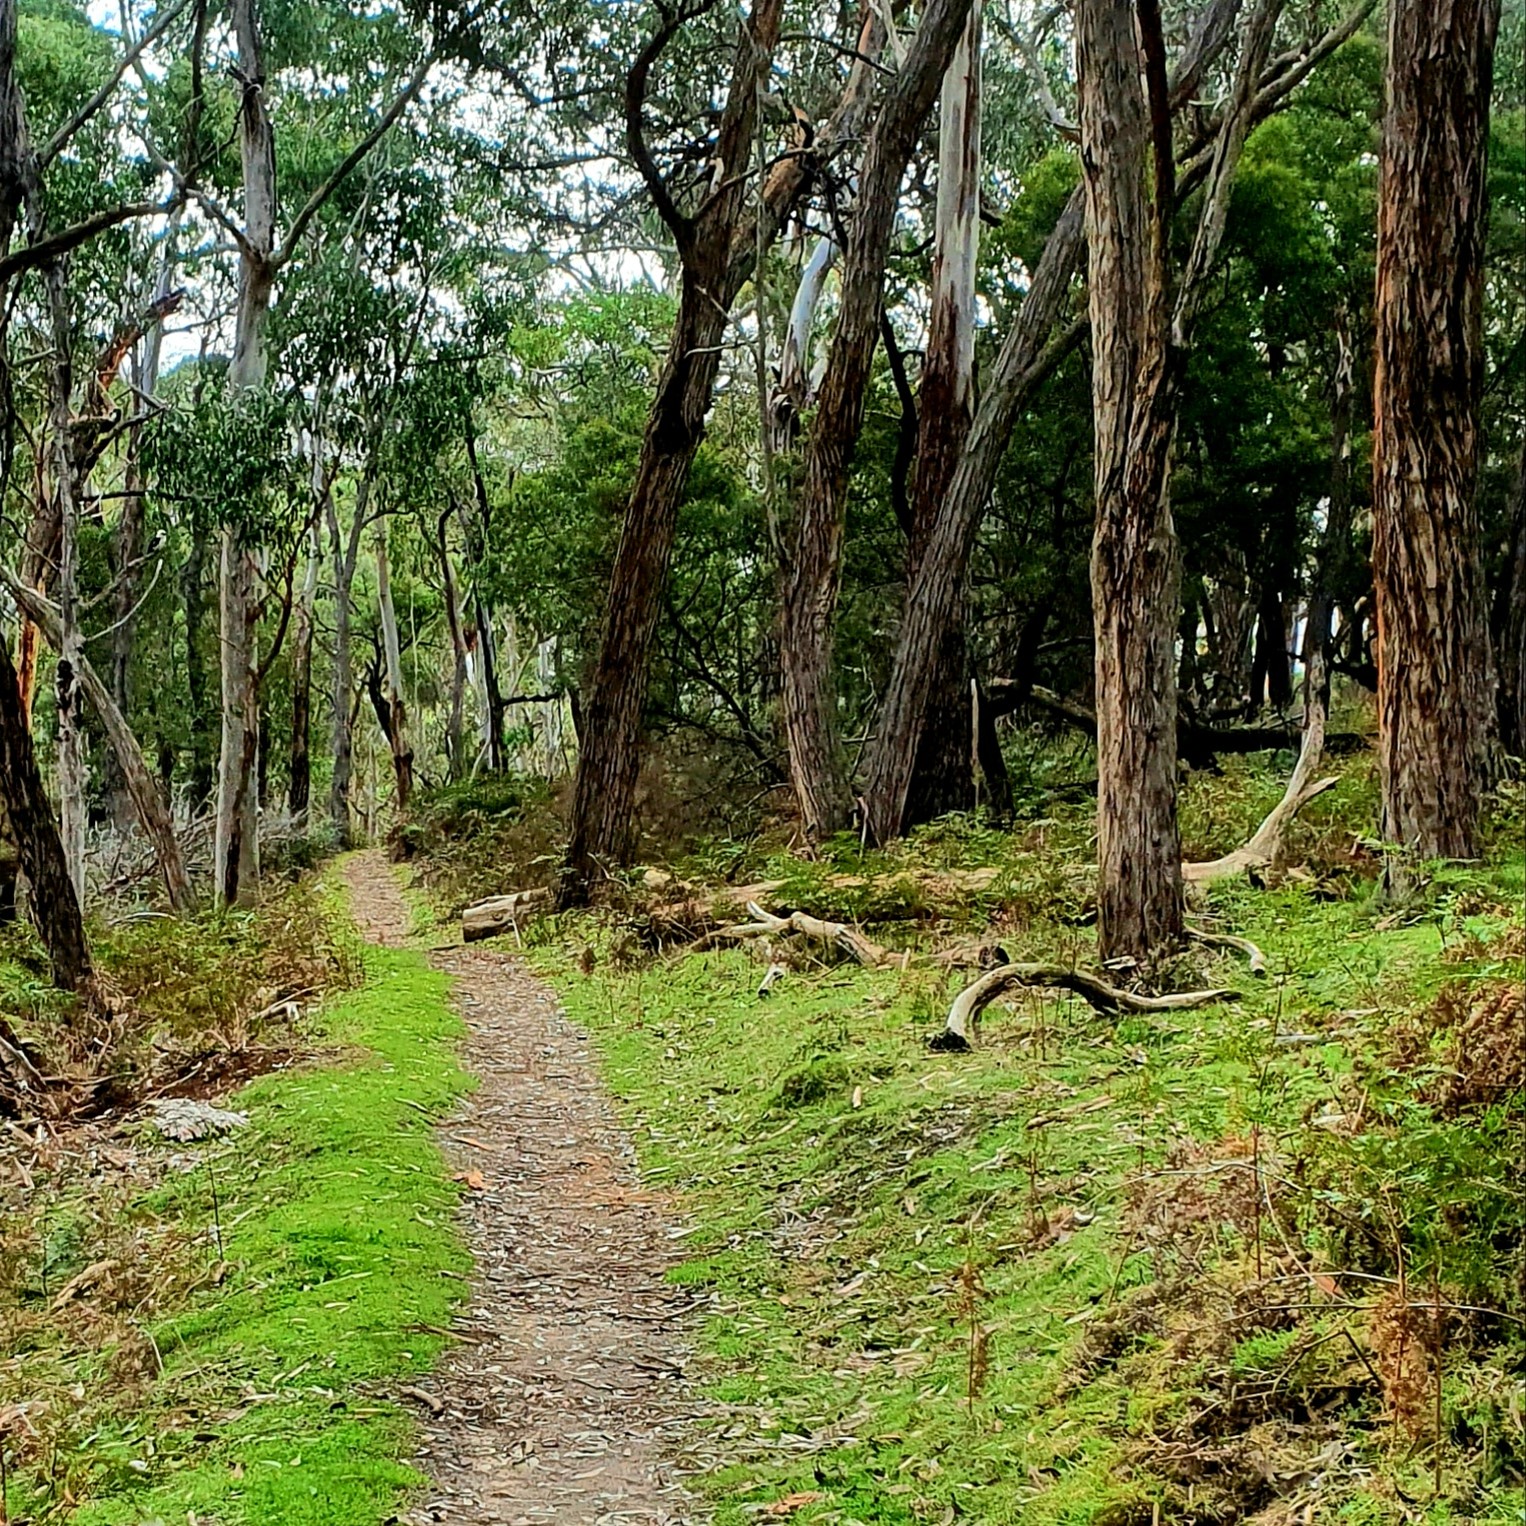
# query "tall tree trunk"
(1139, 341)
(487, 641)
(1335, 538)
(55, 906)
(933, 605)
(236, 835)
(1435, 704)
(193, 596)
(455, 725)
(299, 785)
(1512, 627)
(942, 777)
(808, 702)
(345, 551)
(70, 741)
(129, 531)
(717, 251)
(395, 724)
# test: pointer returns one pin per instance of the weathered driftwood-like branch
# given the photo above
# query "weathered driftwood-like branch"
(500, 913)
(765, 924)
(964, 1015)
(1262, 852)
(1253, 955)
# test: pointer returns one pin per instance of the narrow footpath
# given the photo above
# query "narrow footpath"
(563, 1399)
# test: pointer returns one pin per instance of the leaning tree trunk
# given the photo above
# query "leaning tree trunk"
(932, 600)
(943, 774)
(395, 722)
(716, 252)
(1435, 704)
(55, 906)
(142, 791)
(808, 701)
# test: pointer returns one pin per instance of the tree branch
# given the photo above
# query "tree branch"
(54, 146)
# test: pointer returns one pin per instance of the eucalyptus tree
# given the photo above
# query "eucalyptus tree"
(720, 222)
(1435, 719)
(262, 257)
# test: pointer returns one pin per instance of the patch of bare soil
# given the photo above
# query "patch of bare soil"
(564, 1400)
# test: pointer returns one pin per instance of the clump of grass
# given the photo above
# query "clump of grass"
(193, 1000)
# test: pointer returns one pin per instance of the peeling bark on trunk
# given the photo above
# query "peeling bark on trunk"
(236, 833)
(54, 903)
(943, 774)
(808, 703)
(1435, 701)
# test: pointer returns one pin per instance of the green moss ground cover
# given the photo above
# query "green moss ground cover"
(330, 1269)
(1097, 1271)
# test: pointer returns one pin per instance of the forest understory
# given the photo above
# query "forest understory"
(762, 761)
(1256, 1261)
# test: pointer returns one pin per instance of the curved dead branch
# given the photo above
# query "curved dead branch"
(1255, 959)
(964, 1016)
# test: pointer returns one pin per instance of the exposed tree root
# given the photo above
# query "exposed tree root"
(964, 1016)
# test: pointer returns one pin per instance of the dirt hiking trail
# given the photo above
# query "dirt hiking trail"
(563, 1399)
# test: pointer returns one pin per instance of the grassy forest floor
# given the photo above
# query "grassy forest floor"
(1198, 1267)
(1181, 1267)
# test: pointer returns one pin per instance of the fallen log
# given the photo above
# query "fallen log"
(500, 913)
(1197, 744)
(964, 1016)
(765, 924)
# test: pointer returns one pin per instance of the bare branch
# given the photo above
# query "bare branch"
(55, 145)
(55, 245)
(341, 173)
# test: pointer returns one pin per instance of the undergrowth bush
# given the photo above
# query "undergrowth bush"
(189, 999)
